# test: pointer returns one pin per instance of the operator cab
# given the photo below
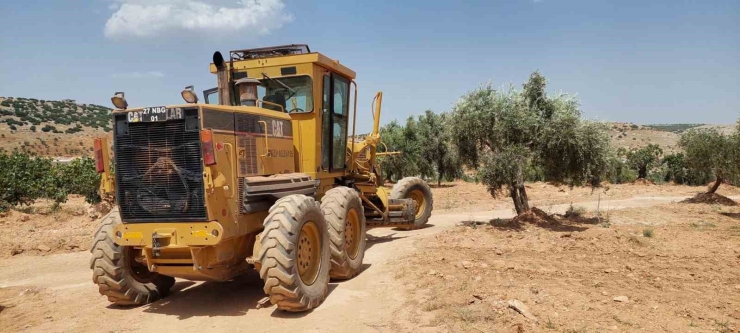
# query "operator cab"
(294, 94)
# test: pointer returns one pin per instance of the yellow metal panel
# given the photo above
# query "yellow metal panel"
(184, 233)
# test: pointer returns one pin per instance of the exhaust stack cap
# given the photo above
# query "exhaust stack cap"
(247, 91)
(218, 60)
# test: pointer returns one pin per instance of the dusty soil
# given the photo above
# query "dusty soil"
(460, 196)
(711, 198)
(41, 230)
(677, 266)
(559, 271)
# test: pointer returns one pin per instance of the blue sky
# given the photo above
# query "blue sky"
(639, 61)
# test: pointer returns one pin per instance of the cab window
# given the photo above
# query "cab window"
(294, 94)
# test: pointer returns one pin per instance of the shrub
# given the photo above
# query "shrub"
(25, 178)
(80, 177)
(709, 152)
(644, 159)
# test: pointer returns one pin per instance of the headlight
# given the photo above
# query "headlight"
(119, 101)
(189, 95)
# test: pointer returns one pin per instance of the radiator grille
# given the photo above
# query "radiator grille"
(159, 172)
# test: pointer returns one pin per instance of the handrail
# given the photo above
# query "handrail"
(267, 146)
(231, 152)
(282, 109)
(354, 126)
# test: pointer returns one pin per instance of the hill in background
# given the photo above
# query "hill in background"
(631, 136)
(51, 128)
(67, 128)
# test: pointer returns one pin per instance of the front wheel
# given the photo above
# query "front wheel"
(345, 217)
(294, 255)
(118, 271)
(415, 189)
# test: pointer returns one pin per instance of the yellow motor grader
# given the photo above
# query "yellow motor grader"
(261, 174)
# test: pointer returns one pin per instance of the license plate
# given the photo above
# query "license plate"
(154, 114)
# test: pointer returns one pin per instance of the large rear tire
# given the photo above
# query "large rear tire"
(345, 217)
(117, 273)
(294, 255)
(418, 190)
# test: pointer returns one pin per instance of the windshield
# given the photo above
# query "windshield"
(294, 94)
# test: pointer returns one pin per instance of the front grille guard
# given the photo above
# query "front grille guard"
(148, 196)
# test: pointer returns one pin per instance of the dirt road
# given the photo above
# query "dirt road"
(55, 293)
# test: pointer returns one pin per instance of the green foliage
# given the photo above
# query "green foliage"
(80, 177)
(438, 158)
(618, 172)
(712, 154)
(48, 128)
(25, 178)
(512, 135)
(425, 149)
(677, 171)
(505, 168)
(402, 139)
(675, 128)
(643, 159)
(658, 174)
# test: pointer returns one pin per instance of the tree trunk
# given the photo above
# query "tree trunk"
(642, 172)
(524, 198)
(716, 185)
(515, 198)
(521, 201)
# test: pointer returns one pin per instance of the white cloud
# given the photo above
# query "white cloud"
(150, 18)
(138, 75)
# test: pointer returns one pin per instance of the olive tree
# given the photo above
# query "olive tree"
(404, 139)
(438, 158)
(504, 132)
(710, 152)
(644, 159)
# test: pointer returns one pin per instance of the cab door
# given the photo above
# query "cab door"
(335, 114)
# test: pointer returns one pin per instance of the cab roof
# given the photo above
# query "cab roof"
(284, 55)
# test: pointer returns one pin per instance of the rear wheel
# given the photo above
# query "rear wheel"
(294, 255)
(344, 215)
(118, 271)
(415, 189)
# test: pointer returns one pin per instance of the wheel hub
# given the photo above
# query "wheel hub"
(418, 197)
(352, 230)
(309, 253)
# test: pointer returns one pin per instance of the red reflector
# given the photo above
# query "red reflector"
(99, 163)
(206, 138)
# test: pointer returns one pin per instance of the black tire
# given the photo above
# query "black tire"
(347, 248)
(279, 254)
(404, 189)
(117, 278)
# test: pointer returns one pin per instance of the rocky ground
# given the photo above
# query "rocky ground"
(669, 268)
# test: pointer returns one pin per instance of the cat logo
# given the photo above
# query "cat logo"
(277, 128)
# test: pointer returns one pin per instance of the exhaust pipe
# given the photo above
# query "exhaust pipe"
(222, 76)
